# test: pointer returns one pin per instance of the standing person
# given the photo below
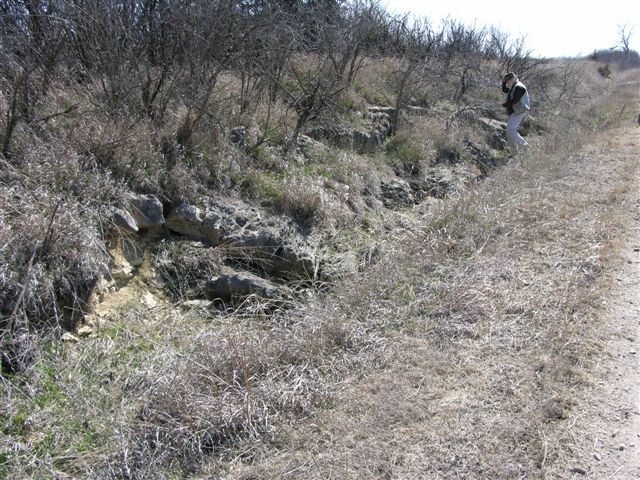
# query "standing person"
(517, 106)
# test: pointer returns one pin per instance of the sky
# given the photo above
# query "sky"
(551, 28)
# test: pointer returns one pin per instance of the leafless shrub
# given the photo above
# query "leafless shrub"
(52, 251)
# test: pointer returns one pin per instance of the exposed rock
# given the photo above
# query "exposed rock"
(147, 211)
(409, 168)
(497, 141)
(277, 248)
(382, 109)
(149, 300)
(492, 125)
(237, 136)
(85, 331)
(126, 255)
(122, 220)
(196, 304)
(371, 254)
(69, 337)
(482, 157)
(435, 183)
(132, 251)
(185, 219)
(16, 353)
(497, 128)
(415, 110)
(349, 262)
(236, 287)
(273, 243)
(224, 220)
(465, 115)
(346, 138)
(373, 203)
(448, 155)
(530, 124)
(397, 192)
(308, 146)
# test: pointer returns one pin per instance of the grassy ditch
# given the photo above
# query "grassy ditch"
(497, 284)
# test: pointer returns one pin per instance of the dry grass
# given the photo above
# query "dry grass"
(491, 313)
(479, 308)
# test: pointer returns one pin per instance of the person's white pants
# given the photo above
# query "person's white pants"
(514, 139)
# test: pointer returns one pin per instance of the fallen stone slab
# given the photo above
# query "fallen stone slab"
(235, 288)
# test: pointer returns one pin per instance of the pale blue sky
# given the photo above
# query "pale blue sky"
(551, 28)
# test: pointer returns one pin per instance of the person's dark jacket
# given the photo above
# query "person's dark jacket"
(512, 99)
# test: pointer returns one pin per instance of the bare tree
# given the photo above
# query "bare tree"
(624, 35)
(415, 44)
(33, 39)
(462, 55)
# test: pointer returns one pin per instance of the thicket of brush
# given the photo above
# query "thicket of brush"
(101, 98)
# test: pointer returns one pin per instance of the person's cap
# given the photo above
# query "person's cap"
(509, 76)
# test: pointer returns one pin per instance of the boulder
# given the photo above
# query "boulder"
(147, 211)
(122, 220)
(185, 219)
(234, 288)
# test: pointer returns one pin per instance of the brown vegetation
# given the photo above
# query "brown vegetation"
(101, 99)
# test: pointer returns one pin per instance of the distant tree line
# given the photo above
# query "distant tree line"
(622, 54)
(628, 59)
